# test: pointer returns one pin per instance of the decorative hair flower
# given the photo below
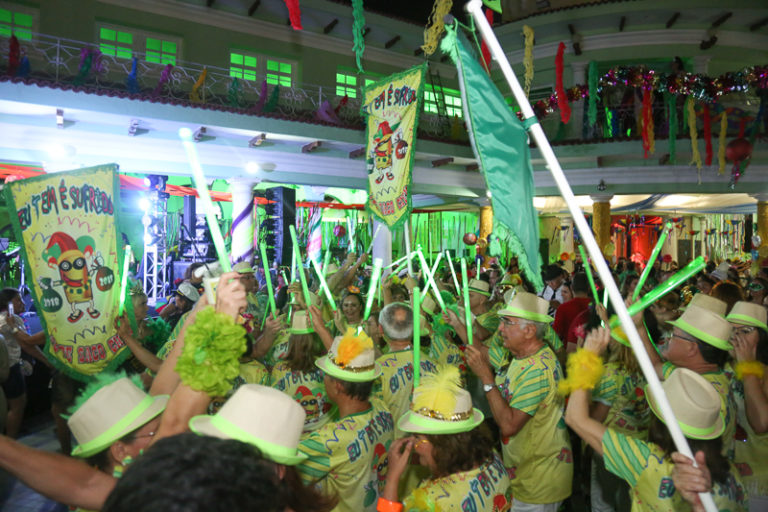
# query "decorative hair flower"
(353, 289)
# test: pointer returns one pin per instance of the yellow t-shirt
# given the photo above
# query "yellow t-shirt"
(251, 372)
(483, 489)
(308, 389)
(538, 458)
(624, 393)
(396, 381)
(751, 453)
(443, 351)
(279, 349)
(645, 468)
(348, 458)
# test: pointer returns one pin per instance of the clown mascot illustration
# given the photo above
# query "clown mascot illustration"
(69, 257)
(381, 154)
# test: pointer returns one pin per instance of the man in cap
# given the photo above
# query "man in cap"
(553, 277)
(528, 408)
(248, 280)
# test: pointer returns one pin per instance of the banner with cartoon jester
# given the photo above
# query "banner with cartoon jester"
(66, 225)
(392, 108)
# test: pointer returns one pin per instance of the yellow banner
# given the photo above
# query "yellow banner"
(65, 223)
(392, 108)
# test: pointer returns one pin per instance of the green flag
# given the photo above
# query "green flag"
(493, 4)
(500, 144)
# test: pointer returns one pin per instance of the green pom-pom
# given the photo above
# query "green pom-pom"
(213, 345)
(99, 381)
(159, 332)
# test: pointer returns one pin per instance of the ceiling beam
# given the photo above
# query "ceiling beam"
(253, 7)
(327, 29)
(389, 44)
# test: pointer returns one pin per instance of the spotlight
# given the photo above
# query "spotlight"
(146, 220)
(252, 168)
(144, 204)
(146, 182)
(147, 239)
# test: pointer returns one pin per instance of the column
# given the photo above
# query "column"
(601, 220)
(762, 223)
(243, 239)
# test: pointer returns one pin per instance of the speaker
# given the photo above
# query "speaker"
(189, 216)
(281, 213)
(748, 231)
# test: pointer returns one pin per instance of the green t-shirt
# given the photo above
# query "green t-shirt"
(645, 468)
(307, 388)
(539, 457)
(624, 393)
(348, 458)
(483, 489)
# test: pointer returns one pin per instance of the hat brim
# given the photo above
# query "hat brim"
(300, 331)
(746, 320)
(703, 336)
(712, 432)
(325, 364)
(481, 292)
(216, 426)
(418, 424)
(525, 315)
(149, 408)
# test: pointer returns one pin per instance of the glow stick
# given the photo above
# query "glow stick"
(453, 271)
(407, 236)
(373, 238)
(300, 267)
(434, 269)
(430, 280)
(350, 236)
(326, 262)
(293, 263)
(588, 271)
(285, 277)
(475, 7)
(268, 278)
(375, 274)
(651, 260)
(396, 262)
(205, 198)
(467, 311)
(416, 337)
(324, 285)
(124, 280)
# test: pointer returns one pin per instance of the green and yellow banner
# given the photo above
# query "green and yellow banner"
(65, 223)
(392, 108)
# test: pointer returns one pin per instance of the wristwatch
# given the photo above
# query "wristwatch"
(487, 387)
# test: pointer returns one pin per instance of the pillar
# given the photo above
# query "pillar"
(243, 240)
(762, 224)
(601, 220)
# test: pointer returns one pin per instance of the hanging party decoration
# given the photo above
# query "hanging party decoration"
(358, 25)
(24, 67)
(391, 107)
(436, 26)
(738, 170)
(294, 13)
(671, 102)
(562, 98)
(194, 95)
(707, 134)
(470, 238)
(592, 82)
(327, 113)
(14, 55)
(234, 94)
(528, 35)
(132, 80)
(165, 76)
(259, 106)
(696, 158)
(721, 142)
(649, 145)
(273, 99)
(89, 59)
(738, 151)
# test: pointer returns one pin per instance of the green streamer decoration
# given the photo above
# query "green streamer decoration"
(233, 95)
(84, 69)
(592, 110)
(273, 99)
(357, 32)
(671, 102)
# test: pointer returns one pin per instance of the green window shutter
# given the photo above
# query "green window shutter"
(22, 20)
(107, 34)
(107, 49)
(125, 37)
(236, 58)
(5, 16)
(250, 61)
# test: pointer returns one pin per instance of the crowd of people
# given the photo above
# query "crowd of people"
(316, 405)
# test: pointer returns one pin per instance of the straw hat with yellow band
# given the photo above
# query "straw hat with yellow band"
(262, 416)
(748, 313)
(300, 324)
(694, 401)
(440, 405)
(528, 307)
(705, 325)
(351, 358)
(704, 301)
(109, 413)
(478, 286)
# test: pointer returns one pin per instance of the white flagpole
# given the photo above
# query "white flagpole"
(475, 9)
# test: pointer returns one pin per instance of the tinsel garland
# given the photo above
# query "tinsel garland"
(233, 95)
(294, 13)
(194, 95)
(745, 368)
(528, 34)
(357, 33)
(671, 101)
(213, 345)
(707, 134)
(14, 55)
(722, 142)
(164, 77)
(562, 98)
(273, 99)
(649, 145)
(592, 82)
(584, 371)
(132, 80)
(696, 156)
(436, 26)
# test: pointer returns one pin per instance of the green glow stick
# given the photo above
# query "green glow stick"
(326, 261)
(467, 311)
(654, 255)
(124, 280)
(375, 274)
(351, 236)
(416, 337)
(453, 271)
(268, 278)
(588, 271)
(430, 280)
(397, 261)
(205, 198)
(300, 268)
(373, 238)
(434, 269)
(293, 263)
(652, 296)
(324, 285)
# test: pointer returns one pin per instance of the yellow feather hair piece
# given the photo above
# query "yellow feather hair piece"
(437, 391)
(352, 345)
(433, 32)
(528, 57)
(584, 371)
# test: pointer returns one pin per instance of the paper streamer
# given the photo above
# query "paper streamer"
(707, 134)
(671, 101)
(722, 142)
(528, 35)
(436, 27)
(562, 97)
(194, 95)
(294, 14)
(132, 82)
(357, 33)
(649, 145)
(696, 158)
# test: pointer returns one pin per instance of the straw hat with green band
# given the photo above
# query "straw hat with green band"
(528, 307)
(694, 401)
(705, 325)
(351, 358)
(300, 324)
(440, 405)
(478, 286)
(749, 313)
(262, 416)
(705, 301)
(109, 414)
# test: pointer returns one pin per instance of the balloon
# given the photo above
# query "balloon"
(470, 238)
(738, 150)
(565, 256)
(339, 230)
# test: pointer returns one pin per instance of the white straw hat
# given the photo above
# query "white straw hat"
(749, 313)
(189, 291)
(705, 325)
(351, 358)
(527, 306)
(702, 300)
